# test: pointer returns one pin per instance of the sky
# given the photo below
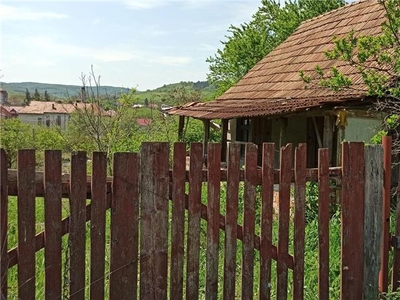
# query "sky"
(141, 44)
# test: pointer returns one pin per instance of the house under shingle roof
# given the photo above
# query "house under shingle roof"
(274, 87)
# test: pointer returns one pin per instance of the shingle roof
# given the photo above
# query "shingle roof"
(43, 107)
(273, 85)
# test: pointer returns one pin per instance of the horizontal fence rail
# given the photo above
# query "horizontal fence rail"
(158, 230)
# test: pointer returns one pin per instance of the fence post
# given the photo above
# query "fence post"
(372, 220)
(352, 221)
(387, 168)
(154, 189)
(3, 224)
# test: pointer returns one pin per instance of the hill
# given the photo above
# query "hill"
(16, 90)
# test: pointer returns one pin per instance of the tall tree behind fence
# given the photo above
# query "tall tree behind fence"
(156, 249)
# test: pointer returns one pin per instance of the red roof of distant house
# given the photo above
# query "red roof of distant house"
(143, 122)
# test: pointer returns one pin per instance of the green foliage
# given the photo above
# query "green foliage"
(248, 43)
(36, 95)
(46, 96)
(15, 135)
(377, 58)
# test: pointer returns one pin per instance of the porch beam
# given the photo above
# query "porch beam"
(181, 127)
(224, 139)
(206, 136)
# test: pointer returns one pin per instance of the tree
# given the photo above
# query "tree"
(377, 58)
(28, 97)
(14, 135)
(36, 95)
(248, 43)
(46, 96)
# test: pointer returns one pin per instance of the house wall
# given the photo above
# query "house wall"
(41, 119)
(361, 129)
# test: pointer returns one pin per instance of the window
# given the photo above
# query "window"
(40, 121)
(58, 121)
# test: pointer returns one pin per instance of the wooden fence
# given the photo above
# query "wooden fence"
(156, 247)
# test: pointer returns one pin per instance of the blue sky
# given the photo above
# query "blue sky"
(130, 43)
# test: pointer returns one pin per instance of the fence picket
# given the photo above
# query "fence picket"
(267, 194)
(352, 221)
(213, 205)
(3, 224)
(77, 225)
(52, 200)
(232, 190)
(154, 220)
(323, 223)
(97, 224)
(194, 218)
(250, 183)
(124, 227)
(26, 224)
(284, 211)
(178, 220)
(299, 220)
(373, 223)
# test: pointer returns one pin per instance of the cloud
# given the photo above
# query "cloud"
(171, 60)
(12, 13)
(143, 4)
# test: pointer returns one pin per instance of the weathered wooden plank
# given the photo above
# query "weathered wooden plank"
(77, 225)
(194, 218)
(232, 198)
(299, 220)
(52, 200)
(323, 224)
(249, 220)
(387, 171)
(26, 224)
(267, 194)
(284, 211)
(98, 224)
(154, 220)
(124, 226)
(3, 223)
(396, 251)
(213, 194)
(373, 222)
(178, 221)
(352, 221)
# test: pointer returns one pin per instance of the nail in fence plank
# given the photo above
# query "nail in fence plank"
(387, 171)
(299, 220)
(194, 218)
(373, 221)
(3, 223)
(154, 220)
(77, 225)
(250, 183)
(352, 221)
(178, 220)
(52, 200)
(267, 194)
(213, 176)
(26, 224)
(232, 190)
(323, 223)
(124, 226)
(284, 210)
(97, 224)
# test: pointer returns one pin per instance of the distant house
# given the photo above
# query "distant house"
(7, 112)
(53, 113)
(271, 103)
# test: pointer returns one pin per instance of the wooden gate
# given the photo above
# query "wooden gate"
(218, 237)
